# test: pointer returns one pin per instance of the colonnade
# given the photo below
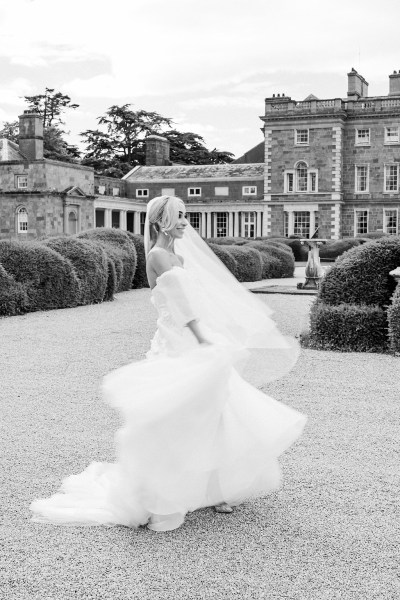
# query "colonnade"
(212, 223)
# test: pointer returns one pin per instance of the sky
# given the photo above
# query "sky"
(207, 64)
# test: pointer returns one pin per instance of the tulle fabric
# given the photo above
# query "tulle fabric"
(195, 433)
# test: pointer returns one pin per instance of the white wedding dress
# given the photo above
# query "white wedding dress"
(195, 433)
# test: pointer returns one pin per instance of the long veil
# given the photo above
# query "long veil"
(231, 310)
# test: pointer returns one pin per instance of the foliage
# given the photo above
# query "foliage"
(140, 278)
(90, 268)
(361, 275)
(372, 236)
(122, 242)
(10, 131)
(119, 143)
(51, 106)
(188, 148)
(299, 250)
(112, 278)
(394, 321)
(334, 248)
(347, 327)
(249, 262)
(56, 148)
(49, 279)
(226, 257)
(285, 268)
(227, 241)
(13, 296)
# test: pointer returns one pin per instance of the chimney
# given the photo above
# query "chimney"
(357, 86)
(394, 84)
(31, 135)
(157, 151)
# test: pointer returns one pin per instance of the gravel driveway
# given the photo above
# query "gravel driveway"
(331, 532)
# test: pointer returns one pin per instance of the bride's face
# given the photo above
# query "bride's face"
(179, 229)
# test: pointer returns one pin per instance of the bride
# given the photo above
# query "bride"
(195, 432)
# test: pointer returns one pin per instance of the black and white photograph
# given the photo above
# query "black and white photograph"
(199, 300)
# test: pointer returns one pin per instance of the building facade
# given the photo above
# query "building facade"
(333, 164)
(326, 167)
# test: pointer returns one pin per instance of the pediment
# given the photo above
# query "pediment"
(74, 190)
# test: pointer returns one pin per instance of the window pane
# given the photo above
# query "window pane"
(290, 178)
(301, 177)
(362, 136)
(361, 178)
(194, 220)
(142, 222)
(390, 222)
(361, 221)
(249, 224)
(301, 224)
(391, 178)
(221, 224)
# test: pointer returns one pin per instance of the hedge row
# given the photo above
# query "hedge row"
(68, 271)
(356, 308)
(252, 260)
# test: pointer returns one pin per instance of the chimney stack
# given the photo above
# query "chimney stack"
(357, 86)
(394, 84)
(157, 151)
(31, 135)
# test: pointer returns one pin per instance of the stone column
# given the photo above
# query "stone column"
(230, 224)
(236, 225)
(65, 217)
(122, 220)
(258, 224)
(312, 222)
(208, 228)
(203, 228)
(107, 217)
(136, 222)
(290, 222)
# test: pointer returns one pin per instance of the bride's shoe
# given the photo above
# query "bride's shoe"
(223, 508)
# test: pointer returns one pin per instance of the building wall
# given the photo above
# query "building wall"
(45, 214)
(208, 195)
(47, 175)
(105, 186)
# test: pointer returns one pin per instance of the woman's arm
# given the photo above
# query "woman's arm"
(195, 329)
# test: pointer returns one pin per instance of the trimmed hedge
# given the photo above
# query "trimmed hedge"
(361, 275)
(227, 241)
(300, 251)
(118, 239)
(347, 327)
(90, 263)
(140, 278)
(249, 262)
(334, 248)
(49, 279)
(394, 321)
(285, 268)
(225, 257)
(13, 296)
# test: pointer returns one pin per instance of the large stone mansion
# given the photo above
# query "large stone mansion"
(328, 164)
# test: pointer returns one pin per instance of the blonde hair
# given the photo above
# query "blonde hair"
(163, 215)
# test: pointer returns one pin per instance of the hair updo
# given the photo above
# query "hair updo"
(163, 215)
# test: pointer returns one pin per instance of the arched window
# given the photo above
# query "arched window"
(301, 179)
(22, 220)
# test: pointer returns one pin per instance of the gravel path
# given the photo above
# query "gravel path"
(331, 532)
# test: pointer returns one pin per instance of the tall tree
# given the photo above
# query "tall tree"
(51, 105)
(119, 145)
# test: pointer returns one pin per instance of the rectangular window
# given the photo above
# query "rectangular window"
(142, 193)
(222, 191)
(168, 192)
(361, 178)
(115, 191)
(390, 221)
(391, 178)
(392, 135)
(22, 220)
(101, 190)
(22, 182)
(249, 224)
(194, 220)
(286, 224)
(361, 222)
(221, 224)
(313, 181)
(194, 191)
(301, 223)
(249, 190)
(301, 137)
(362, 137)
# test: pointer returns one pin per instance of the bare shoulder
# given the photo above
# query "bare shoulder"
(158, 261)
